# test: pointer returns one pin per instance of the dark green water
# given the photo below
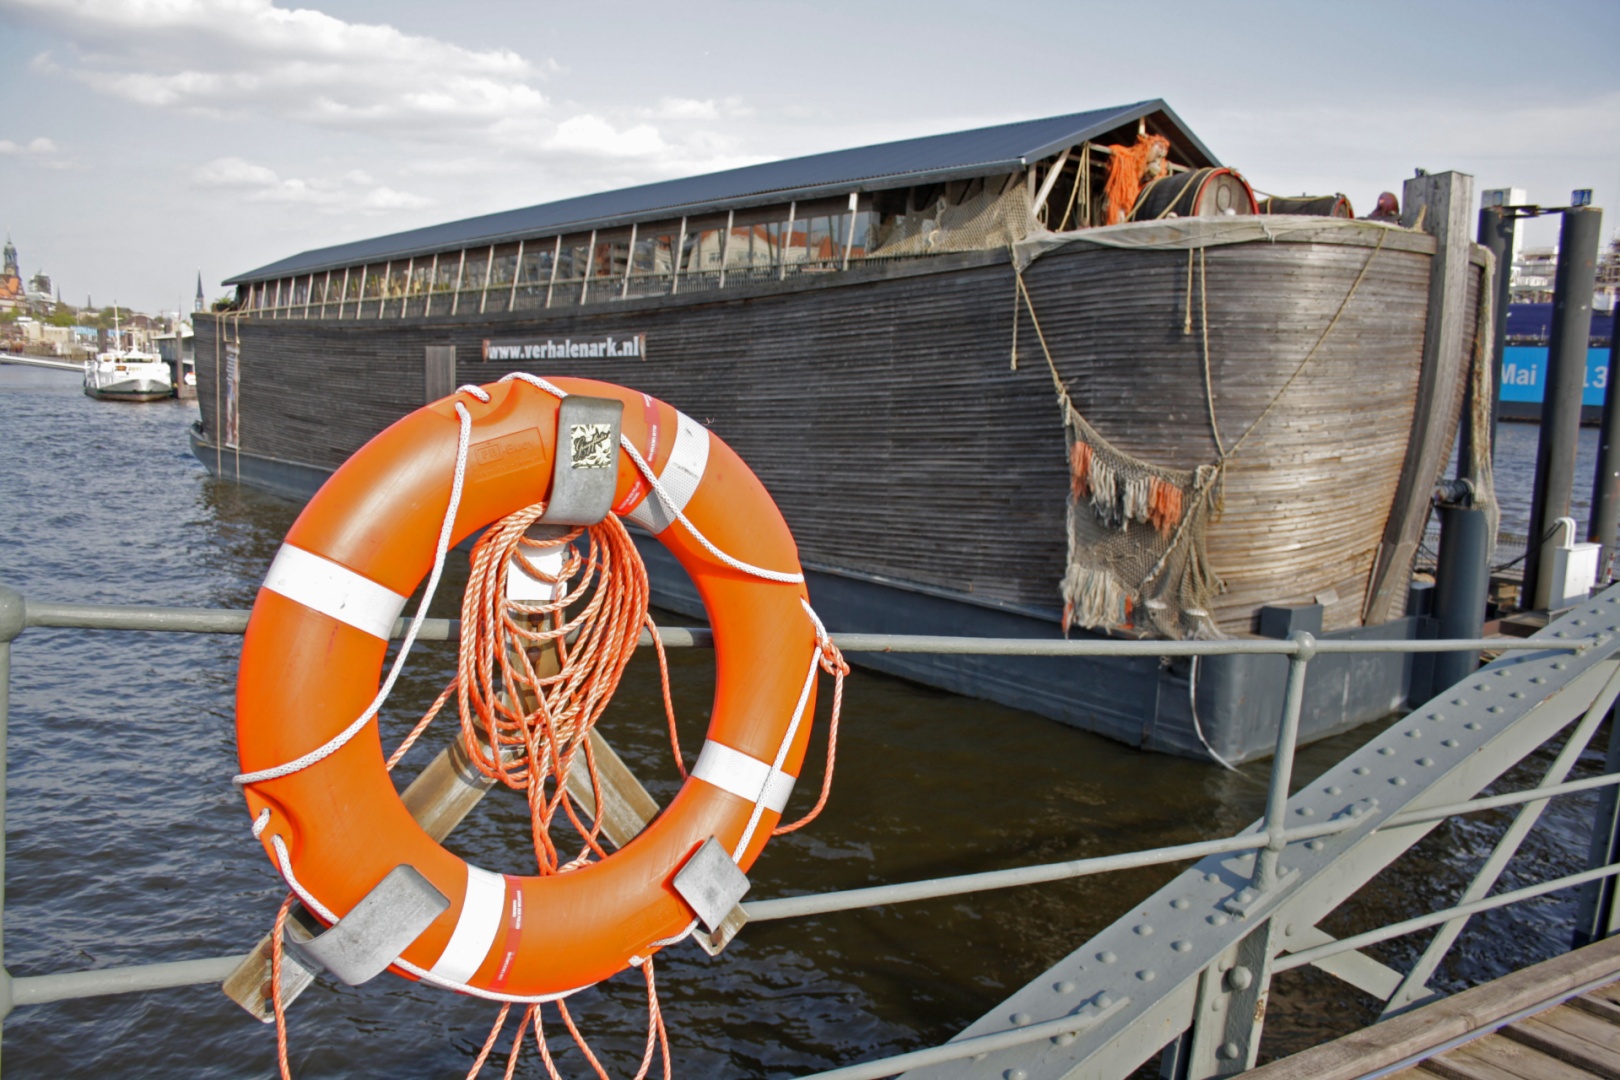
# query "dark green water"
(128, 844)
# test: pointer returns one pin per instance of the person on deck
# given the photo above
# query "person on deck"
(1388, 209)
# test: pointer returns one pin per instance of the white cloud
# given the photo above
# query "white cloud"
(679, 108)
(386, 198)
(40, 147)
(351, 191)
(234, 172)
(675, 108)
(465, 111)
(589, 134)
(216, 57)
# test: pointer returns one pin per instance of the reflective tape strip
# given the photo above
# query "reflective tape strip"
(334, 590)
(482, 912)
(744, 776)
(681, 476)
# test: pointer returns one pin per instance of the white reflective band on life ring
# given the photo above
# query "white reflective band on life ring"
(744, 776)
(481, 914)
(681, 476)
(334, 590)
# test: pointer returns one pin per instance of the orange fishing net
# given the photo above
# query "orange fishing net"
(1129, 166)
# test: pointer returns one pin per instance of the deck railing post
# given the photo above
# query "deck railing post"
(12, 613)
(1597, 916)
(1282, 763)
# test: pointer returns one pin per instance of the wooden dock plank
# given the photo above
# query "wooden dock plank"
(1602, 1008)
(1573, 1036)
(1493, 1057)
(1420, 1030)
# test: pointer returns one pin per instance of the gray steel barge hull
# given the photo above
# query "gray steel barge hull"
(1146, 703)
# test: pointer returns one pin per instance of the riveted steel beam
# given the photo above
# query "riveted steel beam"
(1159, 952)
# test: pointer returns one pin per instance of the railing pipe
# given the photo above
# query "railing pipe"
(13, 618)
(231, 621)
(1282, 763)
(790, 907)
(1496, 802)
(1423, 922)
(40, 989)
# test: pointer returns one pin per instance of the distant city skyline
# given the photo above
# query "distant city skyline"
(145, 142)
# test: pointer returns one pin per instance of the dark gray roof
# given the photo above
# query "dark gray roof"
(983, 151)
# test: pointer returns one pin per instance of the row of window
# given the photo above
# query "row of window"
(653, 260)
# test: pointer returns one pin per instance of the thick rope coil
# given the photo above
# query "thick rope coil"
(524, 728)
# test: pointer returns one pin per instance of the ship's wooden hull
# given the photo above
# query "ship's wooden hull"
(882, 410)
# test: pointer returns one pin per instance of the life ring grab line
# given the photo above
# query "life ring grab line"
(483, 929)
(770, 792)
(674, 505)
(427, 975)
(336, 742)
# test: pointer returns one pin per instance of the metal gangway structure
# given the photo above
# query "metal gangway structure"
(1186, 973)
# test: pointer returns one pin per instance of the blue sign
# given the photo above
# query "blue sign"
(1524, 374)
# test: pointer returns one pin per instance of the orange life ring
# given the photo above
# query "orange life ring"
(314, 650)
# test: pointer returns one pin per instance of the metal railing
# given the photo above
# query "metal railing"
(1268, 839)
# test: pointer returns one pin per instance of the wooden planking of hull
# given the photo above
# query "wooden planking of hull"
(880, 408)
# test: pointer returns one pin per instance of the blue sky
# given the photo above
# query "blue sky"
(143, 141)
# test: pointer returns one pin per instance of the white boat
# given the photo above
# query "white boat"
(131, 374)
(128, 375)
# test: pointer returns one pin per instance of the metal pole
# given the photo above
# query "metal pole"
(1496, 228)
(1606, 480)
(1462, 578)
(517, 275)
(13, 616)
(556, 257)
(1282, 764)
(1561, 402)
(1595, 917)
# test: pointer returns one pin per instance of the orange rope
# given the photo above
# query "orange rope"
(489, 1043)
(524, 728)
(527, 728)
(276, 1006)
(834, 664)
(669, 704)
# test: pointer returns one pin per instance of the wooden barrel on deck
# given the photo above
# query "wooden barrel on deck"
(1200, 193)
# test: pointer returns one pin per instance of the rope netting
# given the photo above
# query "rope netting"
(998, 214)
(1137, 557)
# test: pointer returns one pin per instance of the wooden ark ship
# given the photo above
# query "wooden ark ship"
(1053, 376)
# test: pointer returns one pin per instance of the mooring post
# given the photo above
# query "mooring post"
(1439, 202)
(1496, 228)
(1561, 400)
(1606, 479)
(1461, 581)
